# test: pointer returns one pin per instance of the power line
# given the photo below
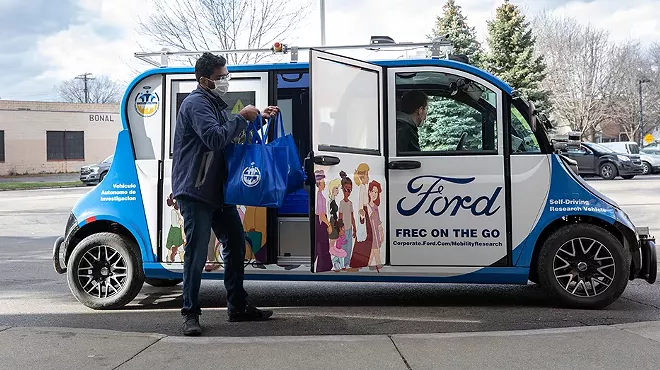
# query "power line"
(85, 79)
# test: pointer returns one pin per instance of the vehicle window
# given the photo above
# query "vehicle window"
(633, 148)
(108, 160)
(347, 108)
(461, 114)
(522, 136)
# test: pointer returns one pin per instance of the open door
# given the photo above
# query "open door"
(347, 198)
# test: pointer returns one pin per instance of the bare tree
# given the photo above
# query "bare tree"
(223, 24)
(100, 89)
(578, 70)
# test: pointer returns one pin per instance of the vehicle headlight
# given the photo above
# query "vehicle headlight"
(623, 158)
(94, 169)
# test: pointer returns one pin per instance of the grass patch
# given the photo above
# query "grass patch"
(39, 185)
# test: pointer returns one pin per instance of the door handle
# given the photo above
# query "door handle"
(404, 165)
(326, 160)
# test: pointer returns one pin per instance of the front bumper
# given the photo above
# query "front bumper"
(629, 168)
(90, 177)
(647, 255)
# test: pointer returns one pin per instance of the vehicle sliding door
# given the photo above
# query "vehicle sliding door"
(348, 194)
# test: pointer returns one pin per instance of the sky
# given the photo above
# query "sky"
(44, 42)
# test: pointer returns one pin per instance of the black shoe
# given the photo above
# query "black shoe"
(251, 313)
(191, 325)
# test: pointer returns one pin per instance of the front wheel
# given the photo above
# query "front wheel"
(608, 171)
(583, 266)
(105, 271)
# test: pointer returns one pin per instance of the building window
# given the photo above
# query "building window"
(2, 145)
(65, 145)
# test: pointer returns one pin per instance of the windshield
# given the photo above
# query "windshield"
(108, 160)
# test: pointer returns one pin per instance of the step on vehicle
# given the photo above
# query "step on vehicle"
(486, 200)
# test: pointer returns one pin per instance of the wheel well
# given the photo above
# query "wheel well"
(568, 220)
(95, 228)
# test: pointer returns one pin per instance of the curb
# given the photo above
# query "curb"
(45, 188)
(335, 338)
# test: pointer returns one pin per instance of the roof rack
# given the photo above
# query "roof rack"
(377, 43)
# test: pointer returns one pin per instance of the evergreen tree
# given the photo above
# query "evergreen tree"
(453, 24)
(446, 121)
(511, 55)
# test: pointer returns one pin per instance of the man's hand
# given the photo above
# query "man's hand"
(270, 111)
(249, 112)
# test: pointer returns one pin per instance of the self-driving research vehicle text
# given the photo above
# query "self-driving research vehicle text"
(486, 200)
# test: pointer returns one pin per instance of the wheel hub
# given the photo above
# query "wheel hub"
(584, 267)
(102, 271)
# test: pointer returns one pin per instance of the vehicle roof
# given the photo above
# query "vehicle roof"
(264, 67)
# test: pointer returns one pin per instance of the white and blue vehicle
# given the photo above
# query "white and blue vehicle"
(486, 200)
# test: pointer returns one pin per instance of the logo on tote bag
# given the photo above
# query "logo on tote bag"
(251, 176)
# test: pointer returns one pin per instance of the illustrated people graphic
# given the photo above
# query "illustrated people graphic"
(176, 237)
(347, 216)
(334, 208)
(337, 250)
(323, 261)
(375, 223)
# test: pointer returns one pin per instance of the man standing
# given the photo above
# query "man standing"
(199, 174)
(409, 117)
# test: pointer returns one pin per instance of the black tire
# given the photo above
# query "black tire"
(547, 265)
(628, 177)
(647, 168)
(126, 287)
(160, 283)
(102, 176)
(608, 171)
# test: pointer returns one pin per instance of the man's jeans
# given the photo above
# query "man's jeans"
(198, 219)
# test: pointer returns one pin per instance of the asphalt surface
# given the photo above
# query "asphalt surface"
(32, 294)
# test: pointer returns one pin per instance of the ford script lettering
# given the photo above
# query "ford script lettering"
(438, 203)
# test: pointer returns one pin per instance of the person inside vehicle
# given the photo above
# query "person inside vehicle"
(410, 115)
(199, 171)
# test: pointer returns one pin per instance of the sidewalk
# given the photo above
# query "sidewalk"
(634, 346)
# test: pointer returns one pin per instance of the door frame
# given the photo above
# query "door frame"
(169, 119)
(503, 142)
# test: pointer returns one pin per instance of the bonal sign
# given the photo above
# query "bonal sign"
(101, 118)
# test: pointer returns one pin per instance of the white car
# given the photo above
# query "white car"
(650, 156)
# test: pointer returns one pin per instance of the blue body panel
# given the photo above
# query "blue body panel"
(128, 209)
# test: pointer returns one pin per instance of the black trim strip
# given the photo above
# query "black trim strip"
(449, 153)
(347, 150)
(309, 167)
(161, 175)
(386, 158)
(506, 122)
(272, 214)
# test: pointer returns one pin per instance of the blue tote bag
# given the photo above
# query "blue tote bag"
(296, 173)
(257, 173)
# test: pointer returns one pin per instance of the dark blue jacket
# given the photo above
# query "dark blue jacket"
(199, 167)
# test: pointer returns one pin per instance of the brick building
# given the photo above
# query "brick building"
(45, 137)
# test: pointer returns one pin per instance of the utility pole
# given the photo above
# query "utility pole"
(641, 112)
(322, 22)
(85, 79)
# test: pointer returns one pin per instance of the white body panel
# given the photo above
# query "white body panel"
(530, 179)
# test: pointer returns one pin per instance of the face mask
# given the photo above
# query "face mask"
(221, 87)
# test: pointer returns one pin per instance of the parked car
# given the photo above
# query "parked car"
(596, 159)
(650, 163)
(94, 174)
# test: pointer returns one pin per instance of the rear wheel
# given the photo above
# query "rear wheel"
(104, 271)
(608, 171)
(583, 266)
(163, 282)
(646, 167)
